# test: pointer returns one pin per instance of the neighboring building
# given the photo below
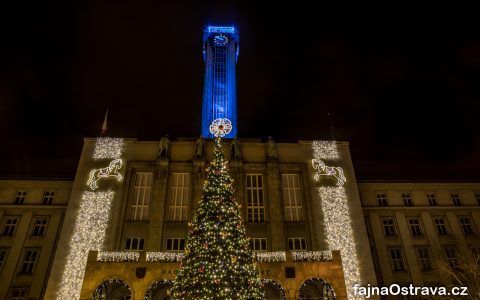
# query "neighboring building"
(31, 216)
(416, 228)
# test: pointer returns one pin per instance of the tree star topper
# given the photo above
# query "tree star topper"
(221, 127)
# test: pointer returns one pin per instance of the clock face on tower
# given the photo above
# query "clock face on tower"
(220, 40)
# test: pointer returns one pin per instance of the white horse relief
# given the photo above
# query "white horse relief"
(324, 170)
(110, 171)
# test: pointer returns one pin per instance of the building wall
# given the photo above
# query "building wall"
(25, 237)
(464, 243)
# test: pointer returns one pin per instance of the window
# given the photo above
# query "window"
(255, 207)
(292, 197)
(440, 225)
(29, 260)
(3, 257)
(477, 196)
(456, 199)
(141, 197)
(20, 197)
(407, 199)
(179, 196)
(47, 198)
(432, 200)
(466, 225)
(451, 256)
(424, 258)
(382, 199)
(40, 226)
(389, 227)
(258, 244)
(415, 227)
(9, 226)
(297, 243)
(19, 294)
(396, 260)
(175, 244)
(134, 243)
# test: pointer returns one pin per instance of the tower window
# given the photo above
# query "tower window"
(141, 197)
(292, 197)
(382, 199)
(297, 243)
(134, 243)
(255, 205)
(407, 199)
(179, 196)
(40, 226)
(20, 197)
(47, 198)
(455, 199)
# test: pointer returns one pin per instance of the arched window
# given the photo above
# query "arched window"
(316, 288)
(273, 290)
(160, 290)
(112, 289)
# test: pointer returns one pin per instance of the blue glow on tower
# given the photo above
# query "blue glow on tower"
(220, 53)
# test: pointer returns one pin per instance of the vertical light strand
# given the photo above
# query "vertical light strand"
(337, 219)
(88, 235)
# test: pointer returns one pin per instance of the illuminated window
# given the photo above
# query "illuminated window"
(297, 243)
(9, 226)
(415, 227)
(292, 198)
(141, 197)
(175, 244)
(29, 260)
(466, 225)
(179, 196)
(47, 198)
(255, 206)
(432, 199)
(40, 226)
(258, 244)
(19, 294)
(440, 225)
(451, 255)
(20, 197)
(396, 259)
(407, 199)
(424, 258)
(134, 243)
(382, 199)
(389, 226)
(3, 257)
(456, 199)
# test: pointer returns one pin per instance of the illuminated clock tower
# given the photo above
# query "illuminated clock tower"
(220, 53)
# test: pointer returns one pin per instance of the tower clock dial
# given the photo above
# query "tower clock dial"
(220, 40)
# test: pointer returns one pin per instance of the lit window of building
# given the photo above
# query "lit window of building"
(292, 198)
(141, 197)
(134, 244)
(396, 259)
(297, 243)
(20, 197)
(455, 199)
(389, 226)
(179, 196)
(407, 199)
(29, 260)
(258, 244)
(424, 258)
(432, 199)
(9, 226)
(47, 198)
(40, 226)
(255, 205)
(382, 199)
(175, 244)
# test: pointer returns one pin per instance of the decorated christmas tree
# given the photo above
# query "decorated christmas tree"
(218, 263)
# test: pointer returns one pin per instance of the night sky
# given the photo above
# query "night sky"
(401, 84)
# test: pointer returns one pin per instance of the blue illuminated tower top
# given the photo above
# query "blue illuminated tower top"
(220, 53)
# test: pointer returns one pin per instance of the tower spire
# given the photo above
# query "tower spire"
(104, 125)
